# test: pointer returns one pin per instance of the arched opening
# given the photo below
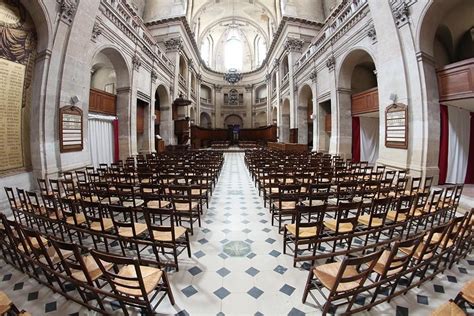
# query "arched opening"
(109, 129)
(285, 122)
(205, 119)
(206, 95)
(233, 120)
(359, 76)
(305, 109)
(324, 125)
(447, 34)
(163, 121)
(183, 72)
(261, 95)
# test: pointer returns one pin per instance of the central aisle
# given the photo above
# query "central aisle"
(238, 266)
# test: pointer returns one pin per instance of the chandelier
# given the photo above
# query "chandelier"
(232, 76)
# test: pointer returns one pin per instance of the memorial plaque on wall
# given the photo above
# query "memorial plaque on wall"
(396, 126)
(12, 76)
(70, 129)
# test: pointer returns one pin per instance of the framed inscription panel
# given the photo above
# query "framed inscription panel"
(396, 126)
(12, 76)
(70, 129)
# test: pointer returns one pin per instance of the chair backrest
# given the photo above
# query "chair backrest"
(427, 184)
(153, 218)
(347, 213)
(35, 204)
(415, 185)
(363, 265)
(39, 250)
(379, 209)
(435, 200)
(70, 264)
(14, 233)
(403, 206)
(55, 187)
(123, 217)
(43, 186)
(432, 241)
(11, 199)
(397, 260)
(121, 284)
(310, 217)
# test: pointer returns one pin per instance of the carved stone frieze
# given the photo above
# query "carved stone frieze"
(313, 75)
(96, 31)
(136, 62)
(371, 33)
(67, 9)
(294, 44)
(174, 44)
(331, 63)
(268, 77)
(400, 13)
(218, 88)
(154, 76)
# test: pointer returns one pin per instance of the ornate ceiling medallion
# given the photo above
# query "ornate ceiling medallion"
(233, 76)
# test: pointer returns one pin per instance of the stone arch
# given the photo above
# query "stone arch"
(440, 22)
(305, 109)
(357, 77)
(233, 119)
(118, 62)
(162, 102)
(205, 120)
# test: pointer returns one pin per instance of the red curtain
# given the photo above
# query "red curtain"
(470, 159)
(443, 144)
(116, 140)
(355, 139)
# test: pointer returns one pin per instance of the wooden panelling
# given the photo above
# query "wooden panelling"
(365, 102)
(293, 135)
(288, 147)
(157, 116)
(327, 123)
(202, 137)
(140, 118)
(456, 81)
(102, 102)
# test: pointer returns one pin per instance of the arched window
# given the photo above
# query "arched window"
(261, 49)
(206, 50)
(233, 51)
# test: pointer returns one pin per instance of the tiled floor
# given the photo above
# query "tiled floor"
(237, 267)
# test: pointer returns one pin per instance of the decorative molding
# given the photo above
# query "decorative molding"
(248, 88)
(313, 75)
(136, 62)
(190, 64)
(276, 63)
(174, 44)
(68, 8)
(218, 88)
(294, 44)
(400, 13)
(154, 76)
(199, 77)
(331, 63)
(371, 33)
(295, 88)
(96, 31)
(268, 77)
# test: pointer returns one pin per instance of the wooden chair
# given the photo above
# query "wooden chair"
(341, 279)
(393, 262)
(97, 220)
(344, 222)
(126, 226)
(82, 268)
(168, 236)
(137, 284)
(185, 206)
(284, 204)
(306, 230)
(466, 295)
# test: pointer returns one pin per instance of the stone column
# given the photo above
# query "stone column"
(124, 104)
(316, 110)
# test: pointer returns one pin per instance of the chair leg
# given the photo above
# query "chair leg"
(308, 285)
(168, 288)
